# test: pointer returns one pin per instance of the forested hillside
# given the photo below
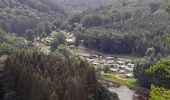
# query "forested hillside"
(16, 16)
(125, 27)
(80, 5)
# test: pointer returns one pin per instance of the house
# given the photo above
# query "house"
(123, 67)
(129, 75)
(109, 58)
(37, 39)
(70, 41)
(110, 62)
(114, 70)
(122, 71)
(120, 62)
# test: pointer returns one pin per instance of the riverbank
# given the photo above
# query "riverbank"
(123, 91)
(130, 83)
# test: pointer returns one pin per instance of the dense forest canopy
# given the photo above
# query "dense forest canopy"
(16, 16)
(50, 77)
(80, 5)
(137, 26)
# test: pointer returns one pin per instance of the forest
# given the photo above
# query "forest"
(36, 76)
(81, 5)
(16, 16)
(126, 27)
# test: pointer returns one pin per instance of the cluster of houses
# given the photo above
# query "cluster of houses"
(115, 65)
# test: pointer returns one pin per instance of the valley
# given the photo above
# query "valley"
(84, 50)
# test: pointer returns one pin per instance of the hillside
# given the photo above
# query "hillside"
(16, 16)
(125, 27)
(80, 5)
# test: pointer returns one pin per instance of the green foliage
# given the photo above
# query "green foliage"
(160, 74)
(12, 44)
(59, 39)
(19, 15)
(63, 50)
(45, 27)
(91, 21)
(30, 35)
(140, 71)
(38, 76)
(126, 27)
(159, 94)
(80, 5)
(54, 45)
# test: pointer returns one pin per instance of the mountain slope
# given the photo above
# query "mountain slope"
(18, 15)
(80, 5)
(125, 27)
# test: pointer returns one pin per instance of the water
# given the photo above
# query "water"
(124, 93)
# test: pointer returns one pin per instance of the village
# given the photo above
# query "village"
(107, 63)
(100, 61)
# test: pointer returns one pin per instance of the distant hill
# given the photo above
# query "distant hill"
(18, 15)
(80, 5)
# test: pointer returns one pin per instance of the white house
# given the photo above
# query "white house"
(109, 58)
(110, 62)
(114, 70)
(123, 67)
(129, 75)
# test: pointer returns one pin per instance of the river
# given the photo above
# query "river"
(124, 93)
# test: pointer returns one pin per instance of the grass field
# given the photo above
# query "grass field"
(131, 83)
(111, 77)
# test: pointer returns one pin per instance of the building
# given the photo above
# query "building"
(123, 67)
(114, 70)
(129, 75)
(110, 62)
(109, 58)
